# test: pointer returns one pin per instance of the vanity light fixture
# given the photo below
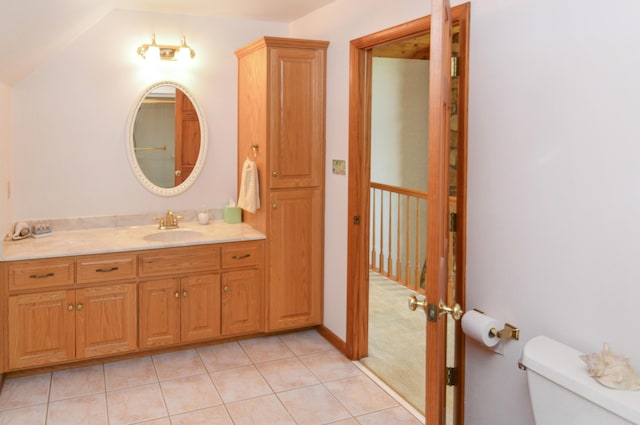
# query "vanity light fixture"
(155, 52)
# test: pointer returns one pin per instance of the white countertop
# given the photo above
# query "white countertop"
(116, 239)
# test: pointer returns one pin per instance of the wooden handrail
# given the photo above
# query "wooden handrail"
(400, 190)
(397, 222)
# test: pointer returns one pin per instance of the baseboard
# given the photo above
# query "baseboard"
(333, 339)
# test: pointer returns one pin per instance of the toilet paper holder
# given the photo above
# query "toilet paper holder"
(509, 332)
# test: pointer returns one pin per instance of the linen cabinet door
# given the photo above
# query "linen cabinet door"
(106, 320)
(242, 302)
(200, 309)
(159, 317)
(296, 102)
(42, 328)
(295, 266)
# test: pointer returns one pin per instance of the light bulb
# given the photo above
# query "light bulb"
(152, 54)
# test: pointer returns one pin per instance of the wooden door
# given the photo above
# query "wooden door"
(187, 137)
(43, 329)
(106, 320)
(295, 275)
(296, 102)
(159, 319)
(437, 219)
(242, 302)
(359, 189)
(200, 308)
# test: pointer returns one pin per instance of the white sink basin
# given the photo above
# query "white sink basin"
(175, 235)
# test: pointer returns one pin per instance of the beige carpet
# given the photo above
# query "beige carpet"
(397, 340)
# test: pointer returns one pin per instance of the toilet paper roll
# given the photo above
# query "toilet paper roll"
(477, 326)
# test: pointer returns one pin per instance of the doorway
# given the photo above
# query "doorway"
(360, 179)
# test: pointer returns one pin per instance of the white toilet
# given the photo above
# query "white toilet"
(563, 393)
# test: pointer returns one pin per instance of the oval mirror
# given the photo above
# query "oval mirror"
(167, 139)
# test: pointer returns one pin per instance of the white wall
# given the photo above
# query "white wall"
(5, 160)
(554, 171)
(399, 127)
(71, 116)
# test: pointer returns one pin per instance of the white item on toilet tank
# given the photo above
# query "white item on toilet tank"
(563, 393)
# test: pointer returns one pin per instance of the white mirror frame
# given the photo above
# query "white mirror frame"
(148, 184)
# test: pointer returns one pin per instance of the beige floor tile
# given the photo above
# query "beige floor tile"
(77, 382)
(84, 410)
(397, 416)
(178, 364)
(313, 406)
(265, 349)
(32, 415)
(360, 395)
(350, 421)
(265, 410)
(25, 391)
(286, 374)
(135, 404)
(211, 416)
(330, 366)
(223, 356)
(306, 342)
(129, 373)
(240, 383)
(189, 393)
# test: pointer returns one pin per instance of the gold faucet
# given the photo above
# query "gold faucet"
(169, 221)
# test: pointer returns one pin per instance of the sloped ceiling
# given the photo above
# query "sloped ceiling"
(31, 31)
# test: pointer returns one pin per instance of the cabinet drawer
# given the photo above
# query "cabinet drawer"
(45, 273)
(241, 254)
(98, 268)
(171, 261)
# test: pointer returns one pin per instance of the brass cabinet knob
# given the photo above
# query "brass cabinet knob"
(79, 306)
(184, 294)
(70, 307)
(274, 173)
(274, 206)
(177, 294)
(226, 288)
(178, 173)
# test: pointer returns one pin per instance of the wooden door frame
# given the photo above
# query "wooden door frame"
(356, 345)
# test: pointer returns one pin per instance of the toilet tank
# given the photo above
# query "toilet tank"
(563, 393)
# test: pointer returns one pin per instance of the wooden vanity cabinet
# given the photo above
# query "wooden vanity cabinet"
(180, 306)
(242, 288)
(281, 110)
(53, 326)
(60, 310)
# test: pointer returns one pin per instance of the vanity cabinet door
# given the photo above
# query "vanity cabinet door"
(295, 270)
(200, 307)
(242, 302)
(179, 310)
(42, 329)
(106, 320)
(159, 312)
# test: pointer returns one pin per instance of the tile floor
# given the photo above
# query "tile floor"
(296, 378)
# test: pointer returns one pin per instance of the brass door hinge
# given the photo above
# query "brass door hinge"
(452, 376)
(454, 66)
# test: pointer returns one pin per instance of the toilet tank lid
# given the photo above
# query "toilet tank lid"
(561, 364)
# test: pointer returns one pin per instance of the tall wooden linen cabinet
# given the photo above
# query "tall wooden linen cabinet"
(281, 125)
